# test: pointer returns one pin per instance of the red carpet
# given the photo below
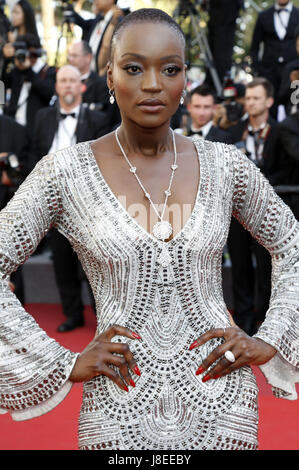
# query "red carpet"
(57, 430)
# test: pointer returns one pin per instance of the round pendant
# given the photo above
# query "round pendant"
(162, 230)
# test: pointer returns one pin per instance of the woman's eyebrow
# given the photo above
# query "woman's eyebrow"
(139, 56)
(134, 55)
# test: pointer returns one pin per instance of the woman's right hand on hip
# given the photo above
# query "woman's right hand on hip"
(101, 353)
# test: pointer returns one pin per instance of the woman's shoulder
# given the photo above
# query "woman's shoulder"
(71, 156)
(212, 150)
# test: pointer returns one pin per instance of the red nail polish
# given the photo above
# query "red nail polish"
(206, 378)
(200, 370)
(132, 383)
(193, 345)
(126, 388)
(136, 335)
(136, 370)
(216, 376)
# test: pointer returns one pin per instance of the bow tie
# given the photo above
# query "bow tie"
(196, 133)
(279, 10)
(63, 115)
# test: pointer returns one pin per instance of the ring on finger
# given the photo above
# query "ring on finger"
(229, 355)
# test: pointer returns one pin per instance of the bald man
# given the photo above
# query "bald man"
(69, 121)
(57, 127)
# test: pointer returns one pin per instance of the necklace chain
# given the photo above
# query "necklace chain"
(167, 192)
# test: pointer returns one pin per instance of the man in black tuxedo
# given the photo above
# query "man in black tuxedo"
(32, 83)
(201, 107)
(258, 139)
(95, 92)
(274, 30)
(57, 127)
(290, 75)
(14, 148)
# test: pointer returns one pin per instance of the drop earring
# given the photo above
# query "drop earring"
(182, 100)
(111, 99)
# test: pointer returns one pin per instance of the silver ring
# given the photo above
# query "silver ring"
(229, 356)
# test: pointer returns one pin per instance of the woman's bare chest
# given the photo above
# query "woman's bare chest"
(154, 189)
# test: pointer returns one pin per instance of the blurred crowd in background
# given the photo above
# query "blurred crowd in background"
(48, 107)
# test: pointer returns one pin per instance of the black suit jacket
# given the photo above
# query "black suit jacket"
(216, 134)
(223, 11)
(274, 166)
(96, 91)
(97, 97)
(13, 138)
(91, 125)
(274, 48)
(285, 90)
(87, 26)
(288, 140)
(41, 92)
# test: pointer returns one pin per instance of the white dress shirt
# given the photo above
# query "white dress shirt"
(66, 132)
(250, 143)
(96, 36)
(281, 20)
(21, 114)
(204, 130)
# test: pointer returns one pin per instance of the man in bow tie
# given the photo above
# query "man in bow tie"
(201, 108)
(57, 127)
(273, 43)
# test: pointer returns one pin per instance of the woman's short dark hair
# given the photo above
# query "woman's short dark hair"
(146, 15)
(202, 90)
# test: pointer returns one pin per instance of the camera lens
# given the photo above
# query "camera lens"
(21, 55)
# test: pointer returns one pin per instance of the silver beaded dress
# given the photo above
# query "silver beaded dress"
(169, 300)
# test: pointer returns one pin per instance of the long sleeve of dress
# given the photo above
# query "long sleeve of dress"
(271, 222)
(34, 368)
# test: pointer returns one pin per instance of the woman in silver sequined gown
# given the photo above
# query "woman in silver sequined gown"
(169, 301)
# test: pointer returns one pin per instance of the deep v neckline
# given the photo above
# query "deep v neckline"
(131, 220)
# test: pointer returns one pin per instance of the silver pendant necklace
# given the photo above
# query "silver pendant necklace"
(162, 229)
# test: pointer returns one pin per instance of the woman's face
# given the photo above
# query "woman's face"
(17, 16)
(147, 73)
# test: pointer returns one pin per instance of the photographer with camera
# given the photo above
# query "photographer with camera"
(31, 81)
(14, 148)
(22, 22)
(258, 140)
(201, 106)
(230, 112)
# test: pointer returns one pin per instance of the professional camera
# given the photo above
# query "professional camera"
(22, 52)
(13, 168)
(234, 109)
(67, 11)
